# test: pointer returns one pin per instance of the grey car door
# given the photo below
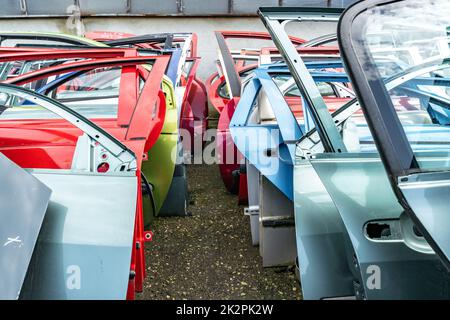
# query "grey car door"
(420, 178)
(23, 203)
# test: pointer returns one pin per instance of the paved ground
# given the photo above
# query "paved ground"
(209, 255)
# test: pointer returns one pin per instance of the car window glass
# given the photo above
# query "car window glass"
(93, 94)
(415, 45)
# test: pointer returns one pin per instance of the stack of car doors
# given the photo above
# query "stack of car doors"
(224, 90)
(89, 152)
(190, 90)
(186, 118)
(269, 115)
(225, 87)
(106, 130)
(368, 196)
(190, 119)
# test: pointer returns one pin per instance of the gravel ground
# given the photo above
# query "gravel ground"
(209, 254)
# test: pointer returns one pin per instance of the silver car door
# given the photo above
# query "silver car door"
(85, 244)
(23, 203)
(420, 180)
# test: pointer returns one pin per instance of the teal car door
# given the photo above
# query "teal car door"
(420, 179)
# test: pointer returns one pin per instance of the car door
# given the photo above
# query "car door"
(85, 243)
(420, 180)
(23, 205)
(321, 235)
(343, 203)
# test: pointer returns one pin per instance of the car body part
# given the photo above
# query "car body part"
(267, 122)
(419, 179)
(66, 246)
(192, 101)
(158, 169)
(222, 89)
(21, 216)
(137, 134)
(335, 223)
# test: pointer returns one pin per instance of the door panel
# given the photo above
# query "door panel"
(427, 195)
(369, 27)
(361, 191)
(84, 249)
(323, 246)
(23, 203)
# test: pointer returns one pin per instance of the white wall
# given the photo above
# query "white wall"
(204, 27)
